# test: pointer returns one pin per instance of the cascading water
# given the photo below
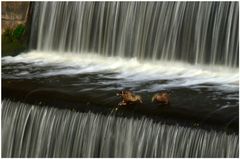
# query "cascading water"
(196, 32)
(85, 52)
(31, 131)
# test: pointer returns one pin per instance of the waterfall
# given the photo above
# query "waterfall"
(34, 131)
(194, 32)
(87, 51)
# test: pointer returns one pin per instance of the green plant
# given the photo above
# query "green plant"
(11, 35)
(18, 31)
(13, 41)
(7, 35)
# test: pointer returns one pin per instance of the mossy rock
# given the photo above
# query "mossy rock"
(13, 41)
(13, 48)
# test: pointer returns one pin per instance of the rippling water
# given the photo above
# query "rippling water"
(137, 46)
(130, 71)
(202, 93)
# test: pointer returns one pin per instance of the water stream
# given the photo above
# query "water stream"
(195, 32)
(32, 131)
(82, 53)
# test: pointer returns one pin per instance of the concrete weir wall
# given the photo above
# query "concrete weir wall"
(16, 39)
(14, 13)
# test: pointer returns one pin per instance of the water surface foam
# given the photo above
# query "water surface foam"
(128, 69)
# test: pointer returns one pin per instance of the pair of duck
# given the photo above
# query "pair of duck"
(129, 97)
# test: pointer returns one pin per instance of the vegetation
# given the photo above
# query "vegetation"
(13, 41)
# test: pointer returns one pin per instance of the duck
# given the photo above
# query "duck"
(128, 97)
(161, 98)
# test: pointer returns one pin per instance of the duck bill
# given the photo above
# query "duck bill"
(117, 94)
(153, 98)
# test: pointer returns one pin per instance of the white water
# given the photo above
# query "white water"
(31, 131)
(137, 41)
(163, 33)
(195, 32)
(130, 70)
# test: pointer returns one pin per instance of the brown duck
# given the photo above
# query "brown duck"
(161, 98)
(129, 97)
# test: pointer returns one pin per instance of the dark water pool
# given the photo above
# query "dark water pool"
(204, 103)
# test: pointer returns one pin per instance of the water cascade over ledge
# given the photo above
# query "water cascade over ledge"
(82, 53)
(32, 131)
(195, 32)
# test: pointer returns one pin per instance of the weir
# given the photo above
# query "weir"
(32, 131)
(195, 32)
(59, 99)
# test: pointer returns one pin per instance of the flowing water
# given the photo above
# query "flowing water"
(199, 93)
(196, 32)
(82, 53)
(31, 131)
